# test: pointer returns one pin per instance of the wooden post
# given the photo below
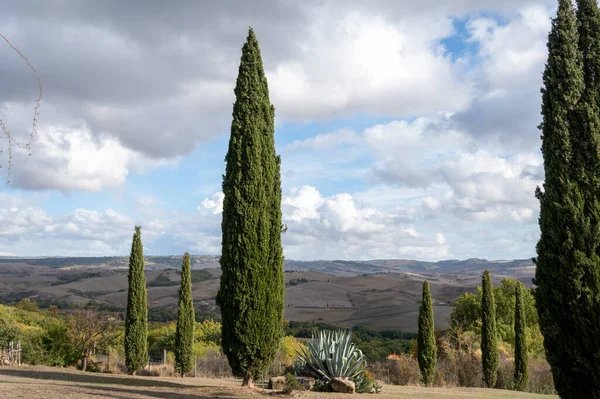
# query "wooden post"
(19, 353)
(194, 366)
(11, 354)
(164, 357)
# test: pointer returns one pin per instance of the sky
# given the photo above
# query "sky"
(406, 129)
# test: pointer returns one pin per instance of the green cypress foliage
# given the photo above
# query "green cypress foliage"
(426, 346)
(184, 334)
(568, 267)
(136, 319)
(252, 284)
(489, 345)
(521, 378)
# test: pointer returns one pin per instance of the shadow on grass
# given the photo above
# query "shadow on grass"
(118, 393)
(92, 378)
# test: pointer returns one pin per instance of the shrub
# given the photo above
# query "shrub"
(397, 370)
(208, 331)
(202, 349)
(292, 384)
(505, 374)
(540, 377)
(213, 365)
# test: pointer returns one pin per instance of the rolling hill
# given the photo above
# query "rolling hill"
(382, 294)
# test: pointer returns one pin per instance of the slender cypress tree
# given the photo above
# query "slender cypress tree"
(184, 334)
(252, 284)
(426, 346)
(489, 345)
(568, 272)
(136, 319)
(521, 378)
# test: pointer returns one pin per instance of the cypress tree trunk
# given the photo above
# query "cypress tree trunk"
(426, 346)
(568, 272)
(136, 319)
(184, 334)
(252, 284)
(521, 379)
(489, 345)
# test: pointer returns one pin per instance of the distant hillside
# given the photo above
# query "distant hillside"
(382, 294)
(520, 268)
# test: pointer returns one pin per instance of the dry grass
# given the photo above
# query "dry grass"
(47, 382)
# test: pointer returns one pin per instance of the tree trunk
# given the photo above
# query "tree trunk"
(84, 363)
(248, 382)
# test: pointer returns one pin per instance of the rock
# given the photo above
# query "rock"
(276, 383)
(343, 385)
(306, 382)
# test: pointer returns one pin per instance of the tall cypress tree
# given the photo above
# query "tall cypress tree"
(489, 345)
(184, 334)
(568, 272)
(521, 377)
(136, 319)
(252, 284)
(426, 346)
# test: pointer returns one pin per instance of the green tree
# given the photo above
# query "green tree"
(426, 345)
(568, 272)
(489, 346)
(184, 334)
(466, 312)
(252, 283)
(521, 357)
(136, 318)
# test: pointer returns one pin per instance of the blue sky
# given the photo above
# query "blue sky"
(406, 130)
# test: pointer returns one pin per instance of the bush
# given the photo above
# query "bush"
(213, 365)
(397, 370)
(166, 370)
(292, 384)
(202, 349)
(540, 377)
(208, 331)
(506, 373)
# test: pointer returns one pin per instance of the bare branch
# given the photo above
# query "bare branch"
(38, 102)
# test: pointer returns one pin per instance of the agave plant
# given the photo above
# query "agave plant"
(332, 354)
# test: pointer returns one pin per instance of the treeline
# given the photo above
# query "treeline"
(375, 344)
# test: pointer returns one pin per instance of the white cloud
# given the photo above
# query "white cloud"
(339, 226)
(507, 61)
(352, 62)
(448, 171)
(214, 203)
(71, 157)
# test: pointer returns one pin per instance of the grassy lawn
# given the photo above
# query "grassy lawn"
(52, 382)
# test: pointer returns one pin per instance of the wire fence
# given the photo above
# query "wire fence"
(11, 356)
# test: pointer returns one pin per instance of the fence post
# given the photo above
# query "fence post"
(19, 351)
(194, 366)
(11, 354)
(164, 357)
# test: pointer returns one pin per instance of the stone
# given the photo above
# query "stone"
(343, 385)
(307, 382)
(276, 382)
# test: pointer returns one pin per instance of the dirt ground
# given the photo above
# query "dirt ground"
(37, 382)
